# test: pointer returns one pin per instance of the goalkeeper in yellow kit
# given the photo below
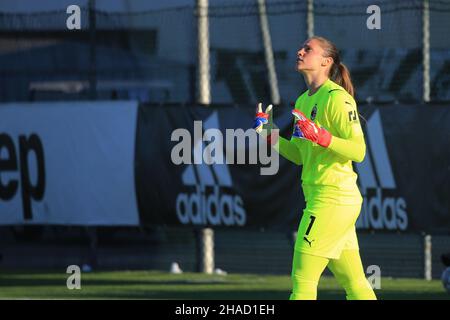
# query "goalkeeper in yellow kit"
(327, 137)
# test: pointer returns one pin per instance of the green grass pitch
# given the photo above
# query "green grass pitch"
(163, 285)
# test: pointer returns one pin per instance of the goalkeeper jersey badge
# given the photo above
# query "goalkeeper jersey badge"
(314, 112)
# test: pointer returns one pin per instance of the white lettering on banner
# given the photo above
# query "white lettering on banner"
(375, 179)
(13, 161)
(214, 201)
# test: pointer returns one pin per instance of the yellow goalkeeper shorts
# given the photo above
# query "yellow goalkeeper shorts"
(326, 229)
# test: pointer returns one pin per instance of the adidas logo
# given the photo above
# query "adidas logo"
(382, 208)
(212, 199)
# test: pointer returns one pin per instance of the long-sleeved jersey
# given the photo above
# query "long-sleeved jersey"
(328, 173)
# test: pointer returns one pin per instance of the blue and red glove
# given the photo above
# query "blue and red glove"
(261, 118)
(299, 116)
(307, 129)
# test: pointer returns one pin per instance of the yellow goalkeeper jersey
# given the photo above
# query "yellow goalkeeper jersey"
(328, 173)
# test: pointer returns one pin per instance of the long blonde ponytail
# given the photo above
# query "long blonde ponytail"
(339, 73)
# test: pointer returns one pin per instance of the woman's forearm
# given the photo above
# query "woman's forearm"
(353, 149)
(289, 150)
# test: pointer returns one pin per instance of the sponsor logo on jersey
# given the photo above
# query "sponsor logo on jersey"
(314, 112)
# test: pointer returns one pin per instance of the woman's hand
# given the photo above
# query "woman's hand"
(261, 118)
(306, 129)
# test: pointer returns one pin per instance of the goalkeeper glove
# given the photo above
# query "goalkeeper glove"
(306, 129)
(263, 120)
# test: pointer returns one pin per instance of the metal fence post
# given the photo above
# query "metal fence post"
(205, 250)
(204, 85)
(426, 50)
(427, 258)
(92, 51)
(310, 18)
(205, 236)
(268, 52)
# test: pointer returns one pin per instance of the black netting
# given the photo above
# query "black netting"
(151, 55)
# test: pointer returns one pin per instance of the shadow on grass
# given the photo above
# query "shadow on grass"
(38, 282)
(141, 288)
(255, 294)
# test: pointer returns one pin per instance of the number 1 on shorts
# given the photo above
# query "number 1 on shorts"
(310, 225)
